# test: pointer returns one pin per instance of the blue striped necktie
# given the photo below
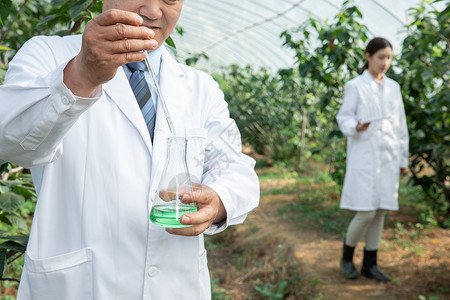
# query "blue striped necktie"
(142, 92)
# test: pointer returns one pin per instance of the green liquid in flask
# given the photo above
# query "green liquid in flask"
(166, 215)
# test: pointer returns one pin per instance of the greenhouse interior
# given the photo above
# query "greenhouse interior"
(276, 149)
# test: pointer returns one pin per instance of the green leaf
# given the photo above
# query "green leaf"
(17, 238)
(5, 9)
(4, 48)
(48, 19)
(4, 218)
(179, 30)
(13, 219)
(426, 75)
(3, 165)
(10, 183)
(25, 191)
(2, 261)
(170, 42)
(78, 7)
(11, 245)
(17, 221)
(10, 201)
(56, 3)
(3, 189)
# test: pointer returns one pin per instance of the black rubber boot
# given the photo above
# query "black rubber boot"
(370, 268)
(347, 267)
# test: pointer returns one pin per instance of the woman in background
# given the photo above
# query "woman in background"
(372, 117)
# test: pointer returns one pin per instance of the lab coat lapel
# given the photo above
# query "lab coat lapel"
(386, 90)
(371, 82)
(387, 99)
(119, 90)
(172, 87)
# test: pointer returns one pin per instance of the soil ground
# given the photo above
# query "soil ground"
(271, 257)
(252, 266)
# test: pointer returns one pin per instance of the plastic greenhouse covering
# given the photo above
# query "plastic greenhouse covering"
(247, 32)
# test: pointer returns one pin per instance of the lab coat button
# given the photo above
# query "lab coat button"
(152, 271)
(65, 100)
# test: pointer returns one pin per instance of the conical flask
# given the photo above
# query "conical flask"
(175, 182)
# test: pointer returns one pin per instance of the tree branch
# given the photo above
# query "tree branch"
(80, 21)
(6, 175)
(3, 35)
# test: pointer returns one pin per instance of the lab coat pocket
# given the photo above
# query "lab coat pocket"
(197, 139)
(67, 276)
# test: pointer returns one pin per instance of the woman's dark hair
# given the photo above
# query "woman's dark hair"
(373, 46)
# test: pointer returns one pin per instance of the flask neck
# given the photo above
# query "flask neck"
(176, 150)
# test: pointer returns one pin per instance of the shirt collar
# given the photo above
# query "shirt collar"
(369, 78)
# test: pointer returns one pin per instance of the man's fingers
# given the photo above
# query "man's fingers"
(121, 31)
(131, 45)
(201, 216)
(113, 16)
(189, 231)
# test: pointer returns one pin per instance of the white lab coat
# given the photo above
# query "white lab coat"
(375, 156)
(95, 169)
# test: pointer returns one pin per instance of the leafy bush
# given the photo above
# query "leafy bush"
(15, 189)
(425, 81)
(266, 109)
(329, 55)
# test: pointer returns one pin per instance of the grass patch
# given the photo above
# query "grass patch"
(275, 174)
(316, 198)
(264, 264)
(284, 190)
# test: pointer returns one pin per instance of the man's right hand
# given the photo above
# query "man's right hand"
(109, 41)
(362, 126)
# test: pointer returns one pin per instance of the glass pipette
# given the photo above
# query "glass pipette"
(160, 97)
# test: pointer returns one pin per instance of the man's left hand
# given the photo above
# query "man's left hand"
(211, 210)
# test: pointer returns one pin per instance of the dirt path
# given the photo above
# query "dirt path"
(419, 267)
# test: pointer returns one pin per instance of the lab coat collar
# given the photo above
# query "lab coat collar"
(118, 89)
(370, 79)
(372, 82)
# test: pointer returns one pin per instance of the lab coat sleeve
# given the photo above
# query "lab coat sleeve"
(347, 115)
(36, 108)
(228, 171)
(403, 136)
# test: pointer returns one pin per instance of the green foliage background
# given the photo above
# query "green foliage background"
(268, 106)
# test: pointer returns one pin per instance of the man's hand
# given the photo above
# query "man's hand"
(110, 40)
(362, 127)
(211, 210)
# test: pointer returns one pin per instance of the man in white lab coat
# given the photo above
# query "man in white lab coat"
(68, 113)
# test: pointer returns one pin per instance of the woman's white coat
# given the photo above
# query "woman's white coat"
(375, 156)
